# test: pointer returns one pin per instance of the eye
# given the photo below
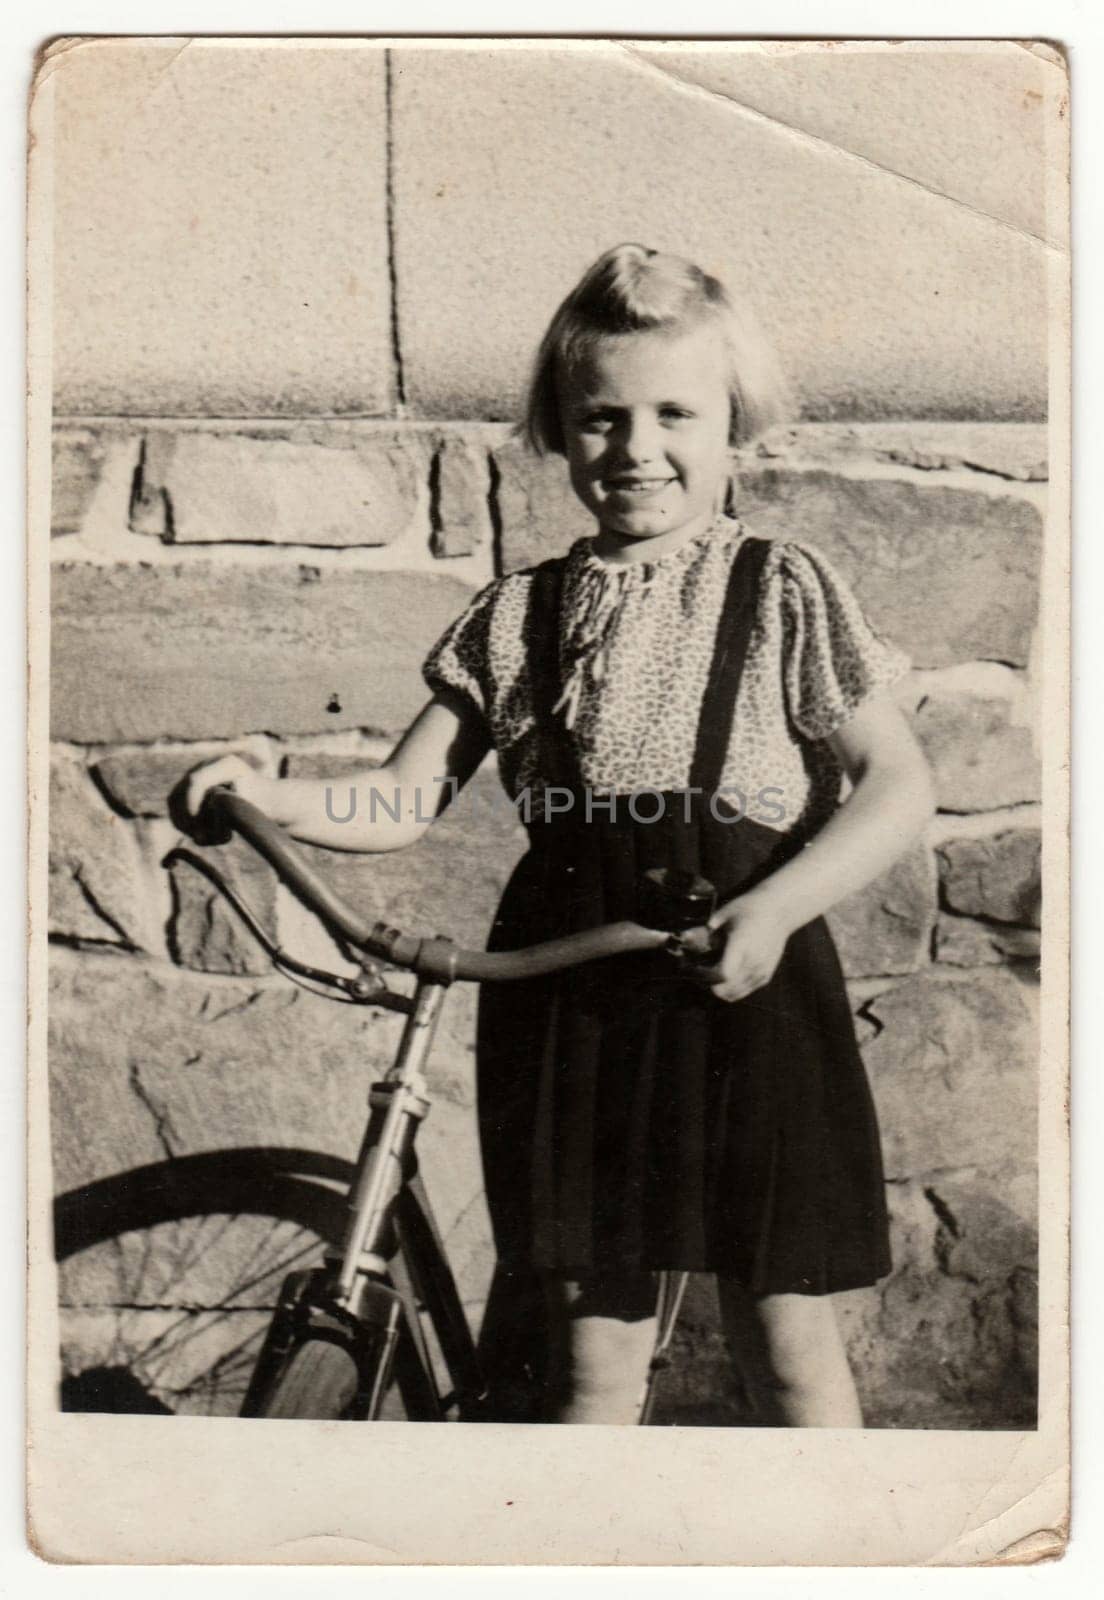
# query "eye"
(675, 413)
(594, 421)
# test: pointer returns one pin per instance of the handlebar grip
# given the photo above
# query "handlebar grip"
(223, 811)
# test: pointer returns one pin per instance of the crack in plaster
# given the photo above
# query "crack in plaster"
(1001, 811)
(994, 472)
(947, 464)
(78, 941)
(98, 910)
(162, 1119)
(462, 1216)
(239, 1005)
(803, 136)
(392, 263)
(112, 1306)
(494, 512)
(868, 1015)
(437, 529)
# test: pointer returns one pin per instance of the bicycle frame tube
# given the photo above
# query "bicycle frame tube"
(402, 1100)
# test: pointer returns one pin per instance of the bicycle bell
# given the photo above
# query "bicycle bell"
(674, 899)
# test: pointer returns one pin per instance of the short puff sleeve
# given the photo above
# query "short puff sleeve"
(834, 660)
(459, 659)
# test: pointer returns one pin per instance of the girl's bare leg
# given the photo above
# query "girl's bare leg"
(789, 1353)
(600, 1363)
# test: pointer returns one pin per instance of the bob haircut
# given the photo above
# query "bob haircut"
(632, 289)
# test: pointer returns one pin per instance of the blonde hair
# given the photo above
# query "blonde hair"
(632, 289)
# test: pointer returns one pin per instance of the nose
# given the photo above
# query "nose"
(640, 438)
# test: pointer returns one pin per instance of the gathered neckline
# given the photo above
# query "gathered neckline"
(720, 531)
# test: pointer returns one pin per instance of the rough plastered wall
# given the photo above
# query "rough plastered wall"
(296, 288)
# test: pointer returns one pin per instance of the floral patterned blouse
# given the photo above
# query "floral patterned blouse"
(636, 643)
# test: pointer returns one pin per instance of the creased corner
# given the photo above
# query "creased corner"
(1045, 1544)
(48, 58)
(995, 1541)
(684, 81)
(1048, 50)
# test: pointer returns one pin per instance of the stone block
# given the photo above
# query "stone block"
(960, 942)
(221, 229)
(207, 1063)
(99, 1122)
(460, 485)
(954, 1070)
(948, 1340)
(203, 651)
(205, 932)
(947, 574)
(78, 457)
(538, 512)
(998, 878)
(326, 764)
(138, 782)
(883, 299)
(449, 881)
(1016, 451)
(96, 888)
(981, 760)
(887, 927)
(355, 489)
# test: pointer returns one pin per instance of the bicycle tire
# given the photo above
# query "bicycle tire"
(319, 1384)
(169, 1274)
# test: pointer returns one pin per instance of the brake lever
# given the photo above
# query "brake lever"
(359, 991)
(368, 987)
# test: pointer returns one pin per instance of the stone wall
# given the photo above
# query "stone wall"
(291, 229)
(296, 287)
(271, 588)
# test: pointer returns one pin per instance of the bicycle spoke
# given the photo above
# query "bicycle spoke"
(183, 1305)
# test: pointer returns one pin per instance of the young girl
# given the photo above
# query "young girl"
(673, 691)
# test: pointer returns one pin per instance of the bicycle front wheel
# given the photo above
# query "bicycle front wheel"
(319, 1384)
(169, 1275)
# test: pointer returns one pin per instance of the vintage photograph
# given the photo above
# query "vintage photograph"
(554, 731)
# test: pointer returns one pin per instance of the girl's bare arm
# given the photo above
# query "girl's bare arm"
(891, 800)
(394, 803)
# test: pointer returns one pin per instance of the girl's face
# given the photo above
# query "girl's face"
(646, 423)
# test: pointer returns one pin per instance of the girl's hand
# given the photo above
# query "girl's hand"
(229, 770)
(755, 935)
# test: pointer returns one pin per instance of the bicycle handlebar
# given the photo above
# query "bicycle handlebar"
(687, 902)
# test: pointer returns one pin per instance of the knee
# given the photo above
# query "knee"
(802, 1339)
(609, 1354)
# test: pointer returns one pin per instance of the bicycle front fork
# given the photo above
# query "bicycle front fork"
(350, 1301)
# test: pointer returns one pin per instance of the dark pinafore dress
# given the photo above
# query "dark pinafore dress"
(629, 1120)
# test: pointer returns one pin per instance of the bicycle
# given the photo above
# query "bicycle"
(368, 1323)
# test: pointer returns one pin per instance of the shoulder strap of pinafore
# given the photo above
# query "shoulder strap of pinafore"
(726, 669)
(542, 629)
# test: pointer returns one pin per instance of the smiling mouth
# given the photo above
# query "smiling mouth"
(638, 488)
